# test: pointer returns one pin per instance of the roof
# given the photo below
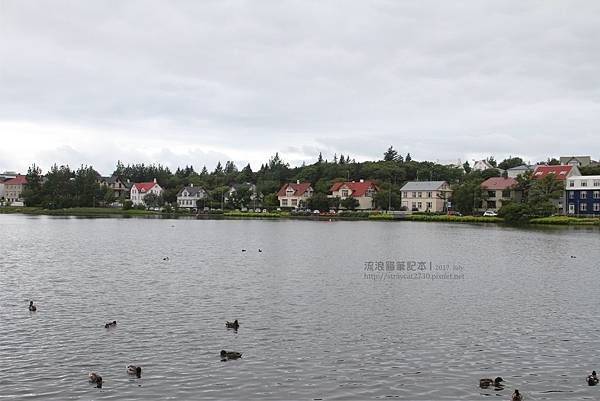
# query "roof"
(193, 191)
(18, 180)
(522, 167)
(561, 172)
(299, 189)
(144, 186)
(358, 188)
(499, 183)
(422, 185)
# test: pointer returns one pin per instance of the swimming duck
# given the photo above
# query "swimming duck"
(243, 250)
(96, 378)
(134, 370)
(485, 383)
(259, 250)
(166, 258)
(592, 379)
(110, 324)
(32, 307)
(517, 396)
(230, 355)
(232, 325)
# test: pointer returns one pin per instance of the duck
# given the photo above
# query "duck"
(96, 378)
(232, 325)
(230, 355)
(517, 396)
(134, 370)
(259, 250)
(592, 379)
(485, 383)
(32, 307)
(243, 250)
(166, 258)
(110, 324)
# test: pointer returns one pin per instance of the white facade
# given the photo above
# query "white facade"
(141, 189)
(583, 182)
(188, 197)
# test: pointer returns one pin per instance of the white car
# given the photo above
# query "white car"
(490, 213)
(316, 211)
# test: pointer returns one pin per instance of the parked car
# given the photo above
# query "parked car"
(316, 211)
(490, 213)
(454, 213)
(257, 210)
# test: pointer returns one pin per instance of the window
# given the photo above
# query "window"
(414, 205)
(571, 194)
(583, 207)
(491, 204)
(429, 194)
(429, 205)
(344, 193)
(571, 183)
(584, 183)
(596, 194)
(419, 205)
(491, 194)
(284, 202)
(294, 202)
(506, 193)
(420, 195)
(583, 195)
(596, 207)
(597, 183)
(414, 194)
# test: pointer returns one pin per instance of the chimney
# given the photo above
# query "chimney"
(297, 181)
(155, 180)
(361, 180)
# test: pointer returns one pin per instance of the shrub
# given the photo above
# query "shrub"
(127, 205)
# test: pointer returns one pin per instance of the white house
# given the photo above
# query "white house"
(141, 189)
(426, 196)
(188, 197)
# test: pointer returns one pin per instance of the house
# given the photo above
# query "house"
(2, 193)
(292, 195)
(426, 196)
(251, 187)
(188, 197)
(13, 188)
(141, 189)
(514, 172)
(119, 186)
(561, 173)
(481, 165)
(499, 190)
(583, 195)
(579, 161)
(363, 191)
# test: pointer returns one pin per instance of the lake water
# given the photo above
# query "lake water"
(315, 324)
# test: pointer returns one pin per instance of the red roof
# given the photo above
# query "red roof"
(499, 183)
(357, 188)
(299, 189)
(561, 172)
(144, 186)
(18, 180)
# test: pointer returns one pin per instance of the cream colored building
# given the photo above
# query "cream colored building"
(426, 196)
(363, 191)
(294, 195)
(13, 189)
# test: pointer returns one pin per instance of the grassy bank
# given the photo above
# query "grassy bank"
(272, 215)
(566, 220)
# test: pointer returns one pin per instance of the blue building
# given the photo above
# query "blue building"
(583, 195)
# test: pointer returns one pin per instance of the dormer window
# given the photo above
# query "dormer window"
(344, 193)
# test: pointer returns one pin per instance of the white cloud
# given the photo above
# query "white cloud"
(194, 83)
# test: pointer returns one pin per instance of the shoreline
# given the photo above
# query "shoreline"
(354, 216)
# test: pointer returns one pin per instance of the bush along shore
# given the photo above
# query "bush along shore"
(344, 215)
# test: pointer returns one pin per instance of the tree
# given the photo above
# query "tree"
(151, 200)
(553, 162)
(514, 212)
(468, 196)
(524, 183)
(510, 162)
(350, 203)
(408, 158)
(492, 161)
(218, 169)
(32, 194)
(466, 167)
(320, 158)
(318, 201)
(545, 189)
(271, 201)
(390, 155)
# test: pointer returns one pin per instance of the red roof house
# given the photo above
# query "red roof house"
(498, 183)
(290, 194)
(560, 172)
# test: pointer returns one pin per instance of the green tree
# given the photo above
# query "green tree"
(318, 201)
(32, 194)
(390, 155)
(514, 212)
(468, 196)
(151, 200)
(510, 162)
(350, 203)
(271, 201)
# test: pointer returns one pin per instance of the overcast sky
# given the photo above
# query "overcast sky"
(193, 82)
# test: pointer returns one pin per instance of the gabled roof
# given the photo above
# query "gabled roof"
(193, 191)
(561, 172)
(422, 185)
(299, 189)
(357, 188)
(18, 180)
(144, 186)
(522, 167)
(499, 183)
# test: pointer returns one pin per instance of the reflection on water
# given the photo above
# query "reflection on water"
(313, 324)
